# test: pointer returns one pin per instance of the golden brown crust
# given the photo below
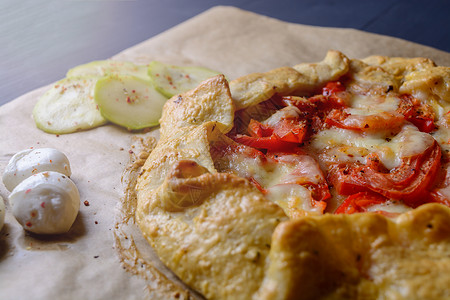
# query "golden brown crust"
(361, 256)
(205, 226)
(334, 65)
(207, 245)
(371, 79)
(430, 83)
(214, 230)
(211, 101)
(302, 78)
(418, 76)
(399, 66)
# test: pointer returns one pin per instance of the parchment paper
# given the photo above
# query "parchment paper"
(89, 262)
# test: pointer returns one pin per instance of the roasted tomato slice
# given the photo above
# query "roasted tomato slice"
(439, 197)
(335, 93)
(290, 131)
(359, 202)
(333, 87)
(379, 121)
(284, 135)
(257, 129)
(408, 182)
(268, 143)
(418, 113)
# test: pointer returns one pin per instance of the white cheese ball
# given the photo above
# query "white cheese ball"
(45, 203)
(32, 161)
(2, 213)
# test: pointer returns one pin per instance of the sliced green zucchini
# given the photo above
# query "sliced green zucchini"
(171, 80)
(101, 68)
(68, 106)
(129, 101)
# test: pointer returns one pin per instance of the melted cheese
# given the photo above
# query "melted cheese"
(243, 165)
(442, 134)
(394, 207)
(283, 178)
(294, 199)
(345, 146)
(289, 169)
(300, 169)
(288, 112)
(367, 105)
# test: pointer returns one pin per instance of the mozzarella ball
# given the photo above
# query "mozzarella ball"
(32, 161)
(45, 203)
(2, 213)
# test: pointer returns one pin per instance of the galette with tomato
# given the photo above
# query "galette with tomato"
(322, 180)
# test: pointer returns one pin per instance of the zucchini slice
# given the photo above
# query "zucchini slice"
(171, 80)
(129, 101)
(101, 68)
(68, 106)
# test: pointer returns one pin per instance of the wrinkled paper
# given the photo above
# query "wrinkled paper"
(104, 256)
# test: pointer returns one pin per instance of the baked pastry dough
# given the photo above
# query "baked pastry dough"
(361, 256)
(233, 236)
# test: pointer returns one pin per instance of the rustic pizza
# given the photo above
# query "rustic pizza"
(324, 180)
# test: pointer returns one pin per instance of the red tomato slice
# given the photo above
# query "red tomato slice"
(335, 93)
(290, 131)
(383, 120)
(270, 143)
(440, 193)
(408, 182)
(418, 113)
(333, 87)
(423, 124)
(286, 134)
(359, 202)
(322, 205)
(286, 130)
(320, 194)
(438, 197)
(257, 129)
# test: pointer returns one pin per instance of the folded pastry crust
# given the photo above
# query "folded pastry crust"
(361, 256)
(222, 236)
(205, 226)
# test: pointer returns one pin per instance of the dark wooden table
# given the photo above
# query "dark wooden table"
(41, 39)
